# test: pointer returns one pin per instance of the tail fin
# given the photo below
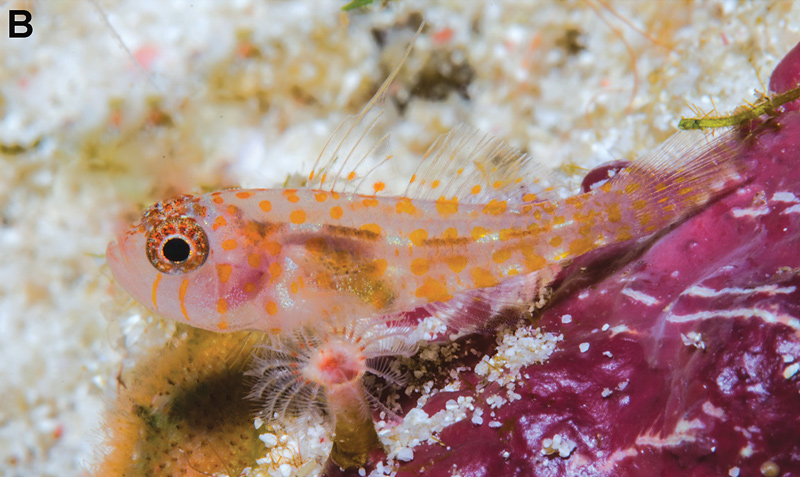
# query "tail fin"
(671, 183)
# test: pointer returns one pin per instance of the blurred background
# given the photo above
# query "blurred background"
(110, 106)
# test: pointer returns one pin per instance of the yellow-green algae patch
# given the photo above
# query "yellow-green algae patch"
(182, 411)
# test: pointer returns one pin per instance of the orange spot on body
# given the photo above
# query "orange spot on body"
(294, 287)
(232, 209)
(336, 212)
(274, 248)
(380, 266)
(222, 325)
(507, 234)
(297, 216)
(217, 199)
(529, 197)
(478, 233)
(272, 308)
(433, 290)
(450, 233)
(405, 205)
(274, 271)
(244, 195)
(222, 306)
(501, 256)
(229, 244)
(581, 246)
(447, 207)
(254, 260)
(482, 278)
(224, 272)
(370, 202)
(555, 241)
(374, 228)
(418, 237)
(614, 214)
(321, 196)
(249, 287)
(419, 266)
(534, 262)
(291, 195)
(265, 205)
(495, 207)
(457, 263)
(219, 222)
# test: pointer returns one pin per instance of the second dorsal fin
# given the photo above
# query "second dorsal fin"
(475, 167)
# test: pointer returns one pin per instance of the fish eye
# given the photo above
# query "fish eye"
(176, 249)
(177, 245)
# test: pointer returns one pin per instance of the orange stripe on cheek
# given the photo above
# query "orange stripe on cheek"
(155, 289)
(182, 297)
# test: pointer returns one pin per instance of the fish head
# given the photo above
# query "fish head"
(166, 261)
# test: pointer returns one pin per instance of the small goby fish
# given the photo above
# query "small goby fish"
(473, 223)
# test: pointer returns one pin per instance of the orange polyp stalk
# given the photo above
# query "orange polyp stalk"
(354, 433)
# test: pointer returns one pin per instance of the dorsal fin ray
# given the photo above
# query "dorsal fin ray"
(476, 167)
(349, 151)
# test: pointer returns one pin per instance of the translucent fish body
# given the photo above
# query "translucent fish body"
(275, 260)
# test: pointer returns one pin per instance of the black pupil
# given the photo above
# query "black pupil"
(176, 249)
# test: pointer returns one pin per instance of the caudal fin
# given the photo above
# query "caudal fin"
(688, 171)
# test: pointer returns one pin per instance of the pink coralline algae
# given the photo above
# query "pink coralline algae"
(680, 355)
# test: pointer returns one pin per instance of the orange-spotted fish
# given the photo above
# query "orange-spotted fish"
(474, 224)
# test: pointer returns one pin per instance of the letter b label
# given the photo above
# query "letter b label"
(19, 20)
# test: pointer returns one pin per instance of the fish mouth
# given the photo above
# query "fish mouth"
(116, 259)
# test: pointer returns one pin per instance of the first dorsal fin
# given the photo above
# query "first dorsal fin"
(465, 163)
(351, 154)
